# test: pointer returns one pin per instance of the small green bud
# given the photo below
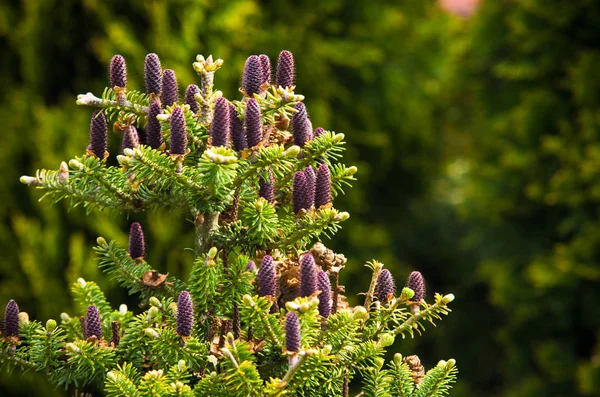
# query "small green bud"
(173, 308)
(379, 361)
(386, 340)
(129, 152)
(361, 313)
(441, 363)
(123, 160)
(398, 359)
(351, 170)
(75, 164)
(327, 349)
(181, 367)
(23, 318)
(339, 137)
(248, 301)
(81, 282)
(448, 298)
(292, 152)
(213, 360)
(342, 216)
(451, 362)
(151, 333)
(212, 252)
(292, 306)
(50, 325)
(111, 376)
(153, 312)
(65, 318)
(72, 348)
(407, 293)
(178, 386)
(29, 180)
(304, 307)
(154, 302)
(101, 241)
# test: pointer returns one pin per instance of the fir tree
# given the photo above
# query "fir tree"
(222, 332)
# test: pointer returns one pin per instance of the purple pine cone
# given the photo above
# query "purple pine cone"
(11, 319)
(285, 70)
(152, 74)
(178, 132)
(98, 132)
(131, 138)
(318, 131)
(190, 99)
(238, 135)
(266, 277)
(300, 125)
(324, 285)
(308, 275)
(265, 64)
(170, 91)
(292, 332)
(311, 180)
(416, 282)
(118, 72)
(137, 244)
(253, 123)
(251, 267)
(385, 285)
(185, 314)
(323, 186)
(92, 323)
(267, 188)
(300, 192)
(253, 76)
(219, 130)
(154, 137)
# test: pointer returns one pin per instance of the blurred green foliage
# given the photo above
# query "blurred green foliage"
(477, 142)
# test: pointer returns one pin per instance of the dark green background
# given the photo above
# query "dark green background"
(477, 142)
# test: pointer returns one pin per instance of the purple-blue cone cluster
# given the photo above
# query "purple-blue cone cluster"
(137, 243)
(185, 314)
(324, 285)
(154, 137)
(11, 319)
(178, 133)
(292, 332)
(285, 70)
(308, 275)
(98, 133)
(253, 123)
(267, 187)
(385, 285)
(92, 323)
(152, 74)
(323, 186)
(131, 138)
(190, 94)
(266, 278)
(416, 282)
(238, 134)
(118, 72)
(170, 90)
(219, 129)
(253, 76)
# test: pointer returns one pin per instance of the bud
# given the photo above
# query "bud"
(81, 282)
(219, 129)
(212, 252)
(75, 164)
(361, 313)
(72, 348)
(417, 284)
(300, 125)
(23, 318)
(266, 277)
(292, 332)
(11, 319)
(170, 91)
(248, 301)
(131, 138)
(300, 192)
(123, 309)
(292, 152)
(308, 275)
(253, 76)
(51, 325)
(153, 130)
(190, 97)
(98, 131)
(318, 132)
(185, 314)
(385, 285)
(92, 323)
(398, 359)
(154, 302)
(111, 376)
(285, 70)
(265, 64)
(65, 318)
(137, 244)
(267, 188)
(251, 267)
(151, 332)
(448, 298)
(311, 180)
(342, 216)
(178, 132)
(407, 293)
(324, 285)
(238, 135)
(152, 74)
(386, 340)
(63, 174)
(323, 186)
(118, 72)
(253, 123)
(152, 312)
